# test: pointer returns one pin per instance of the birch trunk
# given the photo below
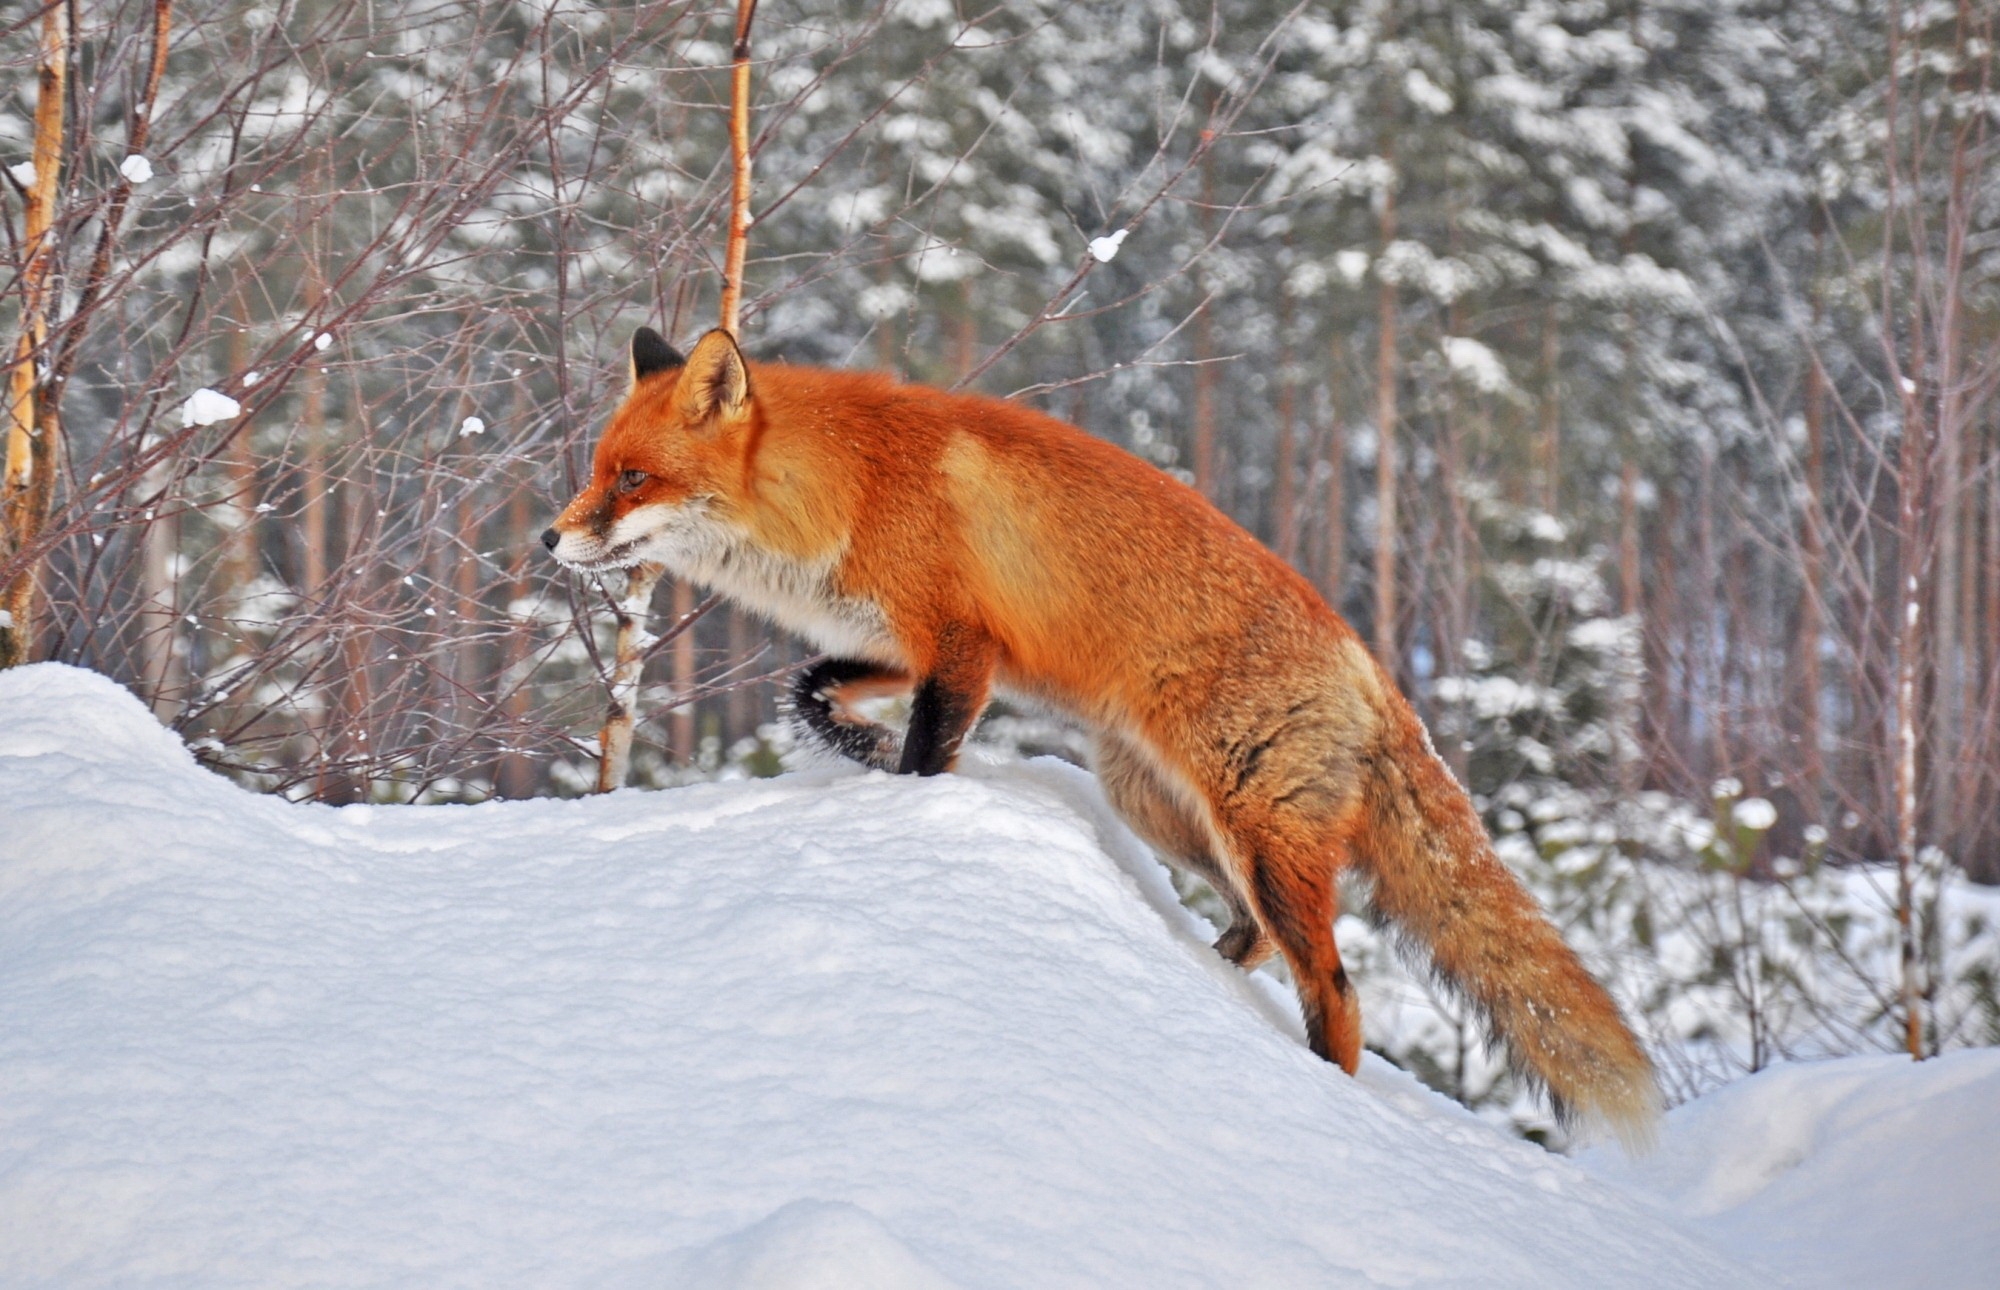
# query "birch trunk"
(633, 640)
(33, 427)
(1912, 503)
(614, 762)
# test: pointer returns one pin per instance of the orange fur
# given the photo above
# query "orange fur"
(959, 543)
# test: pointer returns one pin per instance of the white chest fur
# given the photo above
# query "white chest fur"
(797, 595)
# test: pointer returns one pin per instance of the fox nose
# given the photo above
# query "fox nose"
(550, 537)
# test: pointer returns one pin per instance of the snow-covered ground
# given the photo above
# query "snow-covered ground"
(1867, 1171)
(830, 1030)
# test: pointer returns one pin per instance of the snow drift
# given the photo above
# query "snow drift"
(827, 1030)
(1869, 1171)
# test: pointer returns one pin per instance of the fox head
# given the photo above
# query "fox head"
(667, 462)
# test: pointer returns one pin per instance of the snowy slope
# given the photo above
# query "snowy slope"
(1865, 1172)
(826, 1030)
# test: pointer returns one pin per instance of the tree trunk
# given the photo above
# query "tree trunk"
(34, 428)
(684, 739)
(1386, 652)
(1913, 501)
(1284, 502)
(317, 486)
(1908, 722)
(1812, 593)
(741, 708)
(1336, 481)
(312, 426)
(1667, 637)
(615, 737)
(1453, 624)
(240, 549)
(1988, 847)
(1204, 351)
(1631, 607)
(966, 335)
(1952, 745)
(628, 660)
(739, 159)
(1550, 443)
(1629, 575)
(345, 774)
(162, 678)
(514, 773)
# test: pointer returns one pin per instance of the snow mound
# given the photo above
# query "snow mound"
(1866, 1171)
(832, 1029)
(807, 1245)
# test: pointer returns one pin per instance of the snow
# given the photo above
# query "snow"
(1867, 1171)
(883, 300)
(1105, 249)
(136, 169)
(1755, 813)
(832, 1029)
(1478, 364)
(205, 407)
(471, 425)
(1426, 93)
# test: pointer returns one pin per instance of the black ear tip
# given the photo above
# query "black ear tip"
(651, 353)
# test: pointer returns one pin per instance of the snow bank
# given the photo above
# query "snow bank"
(827, 1030)
(1864, 1172)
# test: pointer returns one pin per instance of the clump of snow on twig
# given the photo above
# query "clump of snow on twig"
(1755, 813)
(136, 169)
(1105, 249)
(471, 425)
(206, 407)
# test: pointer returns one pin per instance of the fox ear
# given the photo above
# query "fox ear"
(716, 383)
(651, 353)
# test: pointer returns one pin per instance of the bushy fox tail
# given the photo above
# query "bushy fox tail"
(1439, 885)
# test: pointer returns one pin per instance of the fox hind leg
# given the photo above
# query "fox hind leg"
(1295, 896)
(1152, 809)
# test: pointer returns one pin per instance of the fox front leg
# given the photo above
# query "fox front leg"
(949, 699)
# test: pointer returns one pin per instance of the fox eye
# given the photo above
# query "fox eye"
(630, 479)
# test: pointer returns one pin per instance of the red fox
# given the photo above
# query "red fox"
(952, 544)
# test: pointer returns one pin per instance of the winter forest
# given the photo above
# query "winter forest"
(1626, 371)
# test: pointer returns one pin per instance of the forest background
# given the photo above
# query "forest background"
(1625, 372)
